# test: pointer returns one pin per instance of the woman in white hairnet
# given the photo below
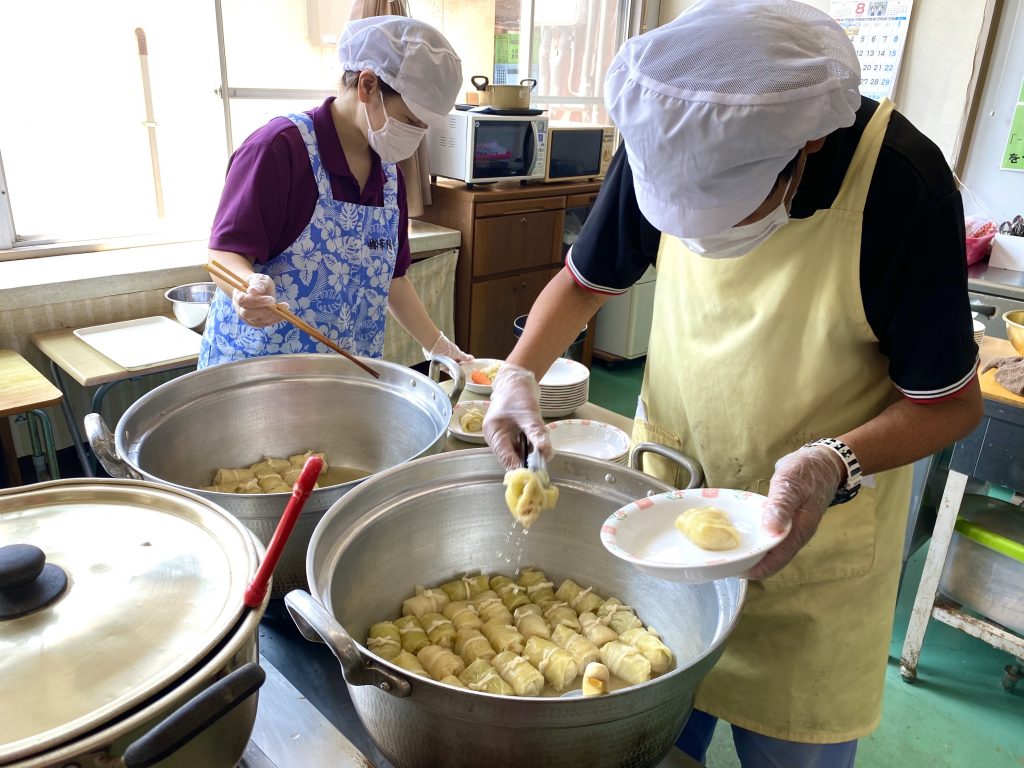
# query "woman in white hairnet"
(314, 210)
(811, 339)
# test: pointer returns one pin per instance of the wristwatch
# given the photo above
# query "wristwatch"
(851, 487)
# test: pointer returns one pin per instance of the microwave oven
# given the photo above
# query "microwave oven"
(479, 148)
(578, 151)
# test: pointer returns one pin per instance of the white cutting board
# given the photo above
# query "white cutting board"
(142, 343)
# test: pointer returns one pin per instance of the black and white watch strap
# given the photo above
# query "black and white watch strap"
(850, 488)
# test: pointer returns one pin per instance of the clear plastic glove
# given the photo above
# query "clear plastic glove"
(445, 347)
(515, 410)
(804, 484)
(254, 305)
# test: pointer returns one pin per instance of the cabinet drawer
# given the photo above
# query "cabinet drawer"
(496, 304)
(518, 241)
(509, 207)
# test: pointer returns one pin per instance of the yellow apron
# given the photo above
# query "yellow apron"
(749, 359)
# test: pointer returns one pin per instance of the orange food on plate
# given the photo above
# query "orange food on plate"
(479, 377)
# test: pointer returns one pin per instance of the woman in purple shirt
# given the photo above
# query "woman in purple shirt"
(313, 212)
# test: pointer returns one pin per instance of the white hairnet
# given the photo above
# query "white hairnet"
(713, 105)
(410, 56)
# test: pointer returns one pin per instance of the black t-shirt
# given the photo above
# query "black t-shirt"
(913, 271)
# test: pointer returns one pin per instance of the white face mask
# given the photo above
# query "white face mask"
(739, 241)
(395, 141)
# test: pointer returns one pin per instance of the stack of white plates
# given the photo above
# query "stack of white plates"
(590, 438)
(564, 388)
(979, 332)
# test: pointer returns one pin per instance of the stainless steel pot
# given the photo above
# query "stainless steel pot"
(435, 518)
(130, 646)
(233, 415)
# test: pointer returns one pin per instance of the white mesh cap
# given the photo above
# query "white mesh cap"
(713, 105)
(410, 56)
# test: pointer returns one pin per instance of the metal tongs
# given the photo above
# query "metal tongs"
(534, 460)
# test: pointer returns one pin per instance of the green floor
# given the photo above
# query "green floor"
(957, 714)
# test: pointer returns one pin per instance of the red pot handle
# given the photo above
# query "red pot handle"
(257, 589)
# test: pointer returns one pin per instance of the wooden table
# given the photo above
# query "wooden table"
(68, 353)
(23, 389)
(994, 452)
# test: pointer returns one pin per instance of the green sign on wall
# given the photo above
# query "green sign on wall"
(1013, 156)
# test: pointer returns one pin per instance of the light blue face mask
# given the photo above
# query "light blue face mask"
(739, 241)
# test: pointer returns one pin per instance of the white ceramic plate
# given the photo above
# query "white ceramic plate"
(565, 373)
(589, 438)
(478, 365)
(644, 534)
(456, 428)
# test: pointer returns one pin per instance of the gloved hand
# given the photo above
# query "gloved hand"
(253, 306)
(447, 348)
(515, 409)
(804, 484)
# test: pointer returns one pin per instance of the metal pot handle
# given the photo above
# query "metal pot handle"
(691, 465)
(319, 626)
(195, 717)
(101, 440)
(454, 370)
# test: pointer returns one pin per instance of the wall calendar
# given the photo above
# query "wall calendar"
(878, 30)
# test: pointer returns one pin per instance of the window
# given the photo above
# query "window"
(116, 127)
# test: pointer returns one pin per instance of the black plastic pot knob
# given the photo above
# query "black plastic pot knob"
(27, 581)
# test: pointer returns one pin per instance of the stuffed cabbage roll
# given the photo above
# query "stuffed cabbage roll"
(581, 649)
(409, 662)
(298, 461)
(471, 645)
(466, 587)
(412, 634)
(524, 678)
(440, 662)
(425, 601)
(709, 528)
(557, 665)
(651, 646)
(462, 615)
(490, 608)
(453, 681)
(595, 679)
(538, 588)
(384, 639)
(530, 622)
(528, 493)
(578, 598)
(252, 485)
(626, 662)
(503, 637)
(439, 629)
(618, 616)
(556, 612)
(595, 630)
(481, 676)
(511, 594)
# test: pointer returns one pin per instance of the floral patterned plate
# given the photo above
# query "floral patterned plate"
(643, 533)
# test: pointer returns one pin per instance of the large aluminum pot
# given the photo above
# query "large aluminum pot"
(233, 415)
(123, 637)
(436, 518)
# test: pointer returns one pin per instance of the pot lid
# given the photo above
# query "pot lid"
(141, 582)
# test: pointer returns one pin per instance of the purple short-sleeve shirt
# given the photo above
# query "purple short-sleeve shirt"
(270, 193)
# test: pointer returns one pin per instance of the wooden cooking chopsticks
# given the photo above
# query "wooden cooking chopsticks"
(218, 270)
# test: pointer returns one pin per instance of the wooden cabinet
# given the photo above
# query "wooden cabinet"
(511, 248)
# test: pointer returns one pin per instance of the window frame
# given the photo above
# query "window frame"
(634, 17)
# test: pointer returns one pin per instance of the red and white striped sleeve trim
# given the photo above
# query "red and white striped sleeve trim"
(936, 395)
(586, 284)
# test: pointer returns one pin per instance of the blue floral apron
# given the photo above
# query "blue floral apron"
(335, 276)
